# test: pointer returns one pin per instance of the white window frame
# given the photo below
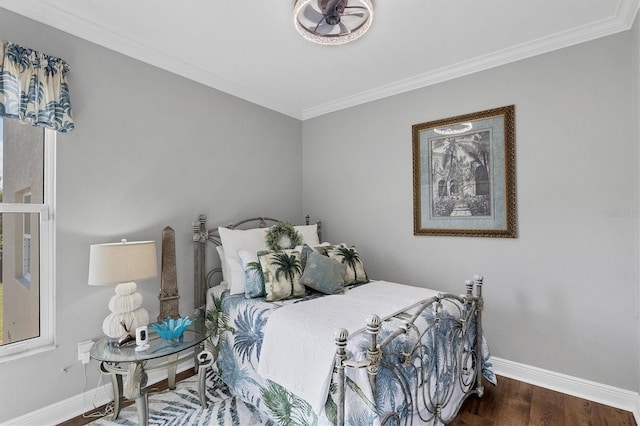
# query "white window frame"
(47, 234)
(26, 247)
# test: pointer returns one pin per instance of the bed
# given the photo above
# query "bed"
(326, 345)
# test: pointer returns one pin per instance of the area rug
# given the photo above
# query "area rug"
(181, 406)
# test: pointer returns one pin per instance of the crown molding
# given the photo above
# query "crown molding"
(79, 27)
(622, 21)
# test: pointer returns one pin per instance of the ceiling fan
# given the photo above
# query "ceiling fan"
(332, 21)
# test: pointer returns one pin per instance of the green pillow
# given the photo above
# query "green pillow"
(323, 274)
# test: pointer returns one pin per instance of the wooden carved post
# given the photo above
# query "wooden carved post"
(169, 279)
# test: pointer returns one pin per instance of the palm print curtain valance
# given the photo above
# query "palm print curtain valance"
(34, 88)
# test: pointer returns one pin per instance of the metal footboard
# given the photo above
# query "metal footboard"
(438, 367)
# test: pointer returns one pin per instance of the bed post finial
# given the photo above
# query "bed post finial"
(469, 285)
(341, 355)
(200, 234)
(307, 219)
(477, 279)
(373, 353)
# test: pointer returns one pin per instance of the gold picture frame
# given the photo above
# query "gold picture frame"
(464, 175)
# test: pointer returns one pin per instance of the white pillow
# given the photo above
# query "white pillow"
(223, 263)
(309, 234)
(252, 240)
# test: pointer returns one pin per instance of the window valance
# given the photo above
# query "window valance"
(34, 88)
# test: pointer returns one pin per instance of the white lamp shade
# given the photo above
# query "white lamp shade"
(122, 262)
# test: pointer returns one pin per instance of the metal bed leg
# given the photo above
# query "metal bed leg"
(373, 352)
(341, 355)
(205, 360)
(477, 280)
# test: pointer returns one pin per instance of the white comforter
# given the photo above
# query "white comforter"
(298, 349)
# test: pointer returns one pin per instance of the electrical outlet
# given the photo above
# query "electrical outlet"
(83, 351)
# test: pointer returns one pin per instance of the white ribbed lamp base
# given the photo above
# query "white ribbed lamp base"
(127, 312)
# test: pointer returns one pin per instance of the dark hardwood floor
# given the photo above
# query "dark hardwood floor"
(517, 403)
(510, 403)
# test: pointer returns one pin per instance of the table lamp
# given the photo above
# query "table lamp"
(122, 264)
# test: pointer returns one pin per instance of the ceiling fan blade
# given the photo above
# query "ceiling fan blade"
(355, 7)
(358, 14)
(312, 14)
(344, 29)
(322, 29)
(320, 24)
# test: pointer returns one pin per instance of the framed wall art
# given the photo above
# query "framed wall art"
(464, 175)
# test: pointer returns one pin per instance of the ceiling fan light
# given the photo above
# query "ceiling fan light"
(309, 33)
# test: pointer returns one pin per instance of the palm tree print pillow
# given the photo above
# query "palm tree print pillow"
(281, 271)
(349, 257)
(254, 287)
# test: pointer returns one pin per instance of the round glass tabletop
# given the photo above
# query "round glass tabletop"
(107, 348)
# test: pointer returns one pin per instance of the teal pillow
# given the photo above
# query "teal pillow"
(323, 274)
(254, 286)
(306, 249)
(281, 271)
(304, 254)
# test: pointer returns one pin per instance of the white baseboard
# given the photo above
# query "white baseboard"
(86, 401)
(604, 394)
(592, 391)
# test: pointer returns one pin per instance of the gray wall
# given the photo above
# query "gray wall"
(563, 296)
(150, 149)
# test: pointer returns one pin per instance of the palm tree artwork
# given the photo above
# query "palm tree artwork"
(460, 174)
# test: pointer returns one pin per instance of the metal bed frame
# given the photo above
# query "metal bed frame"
(427, 390)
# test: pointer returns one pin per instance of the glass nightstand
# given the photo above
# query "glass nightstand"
(118, 361)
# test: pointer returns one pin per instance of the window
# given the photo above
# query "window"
(27, 231)
(26, 241)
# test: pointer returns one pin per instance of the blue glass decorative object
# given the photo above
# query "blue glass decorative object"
(172, 328)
